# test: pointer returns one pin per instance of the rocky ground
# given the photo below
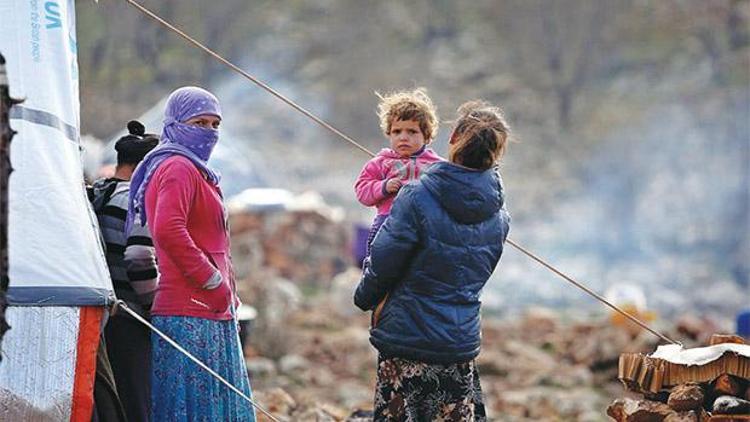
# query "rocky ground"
(310, 359)
(314, 361)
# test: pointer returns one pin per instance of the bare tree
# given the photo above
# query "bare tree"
(560, 46)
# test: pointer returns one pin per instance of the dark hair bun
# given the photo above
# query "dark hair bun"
(132, 147)
(136, 128)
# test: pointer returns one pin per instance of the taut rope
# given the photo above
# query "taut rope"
(122, 305)
(252, 78)
(347, 138)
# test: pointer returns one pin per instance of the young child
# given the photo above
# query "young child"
(428, 331)
(409, 121)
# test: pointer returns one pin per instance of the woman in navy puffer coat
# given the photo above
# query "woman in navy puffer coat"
(424, 277)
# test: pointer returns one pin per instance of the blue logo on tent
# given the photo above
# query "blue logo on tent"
(52, 14)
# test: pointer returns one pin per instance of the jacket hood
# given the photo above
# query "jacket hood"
(103, 185)
(469, 196)
(101, 191)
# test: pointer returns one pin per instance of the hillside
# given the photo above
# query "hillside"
(632, 160)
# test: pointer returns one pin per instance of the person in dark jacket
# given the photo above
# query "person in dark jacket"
(425, 275)
(132, 267)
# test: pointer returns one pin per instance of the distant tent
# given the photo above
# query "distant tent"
(240, 169)
(59, 282)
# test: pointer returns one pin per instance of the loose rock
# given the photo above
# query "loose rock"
(686, 397)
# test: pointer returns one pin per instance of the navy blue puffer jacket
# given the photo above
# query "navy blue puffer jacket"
(433, 256)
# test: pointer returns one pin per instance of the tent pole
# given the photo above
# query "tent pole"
(6, 134)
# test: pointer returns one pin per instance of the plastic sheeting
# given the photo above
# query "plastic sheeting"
(55, 255)
(700, 355)
(38, 368)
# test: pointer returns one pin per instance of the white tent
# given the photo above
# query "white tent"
(59, 282)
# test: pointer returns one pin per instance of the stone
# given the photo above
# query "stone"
(731, 405)
(276, 401)
(360, 415)
(695, 328)
(616, 409)
(317, 414)
(341, 292)
(291, 364)
(351, 394)
(629, 410)
(492, 363)
(260, 367)
(689, 416)
(686, 397)
(568, 377)
(539, 321)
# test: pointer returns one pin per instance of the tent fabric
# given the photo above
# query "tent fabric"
(85, 370)
(46, 353)
(52, 235)
(57, 296)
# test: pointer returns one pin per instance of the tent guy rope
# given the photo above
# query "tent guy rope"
(119, 304)
(347, 138)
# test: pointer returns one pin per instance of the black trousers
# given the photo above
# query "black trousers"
(129, 349)
(107, 405)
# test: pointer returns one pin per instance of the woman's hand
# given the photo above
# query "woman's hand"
(393, 185)
(213, 282)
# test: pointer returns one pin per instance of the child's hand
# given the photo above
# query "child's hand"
(393, 185)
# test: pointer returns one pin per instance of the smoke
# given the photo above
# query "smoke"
(660, 206)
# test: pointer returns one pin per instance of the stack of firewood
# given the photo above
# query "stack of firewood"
(701, 384)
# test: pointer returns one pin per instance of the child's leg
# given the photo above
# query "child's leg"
(379, 220)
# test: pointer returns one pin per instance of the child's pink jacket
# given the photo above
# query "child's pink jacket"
(370, 185)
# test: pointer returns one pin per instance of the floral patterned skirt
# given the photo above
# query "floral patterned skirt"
(182, 391)
(409, 390)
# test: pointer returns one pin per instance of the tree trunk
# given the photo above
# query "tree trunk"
(5, 169)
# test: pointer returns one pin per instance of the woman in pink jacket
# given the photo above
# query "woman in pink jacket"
(409, 121)
(176, 191)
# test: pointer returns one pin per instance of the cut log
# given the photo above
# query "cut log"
(728, 418)
(727, 385)
(686, 397)
(725, 338)
(670, 366)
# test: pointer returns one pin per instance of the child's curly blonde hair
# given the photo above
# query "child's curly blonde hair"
(409, 105)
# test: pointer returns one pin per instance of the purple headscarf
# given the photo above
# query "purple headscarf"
(177, 138)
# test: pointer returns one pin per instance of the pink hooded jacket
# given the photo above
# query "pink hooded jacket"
(370, 185)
